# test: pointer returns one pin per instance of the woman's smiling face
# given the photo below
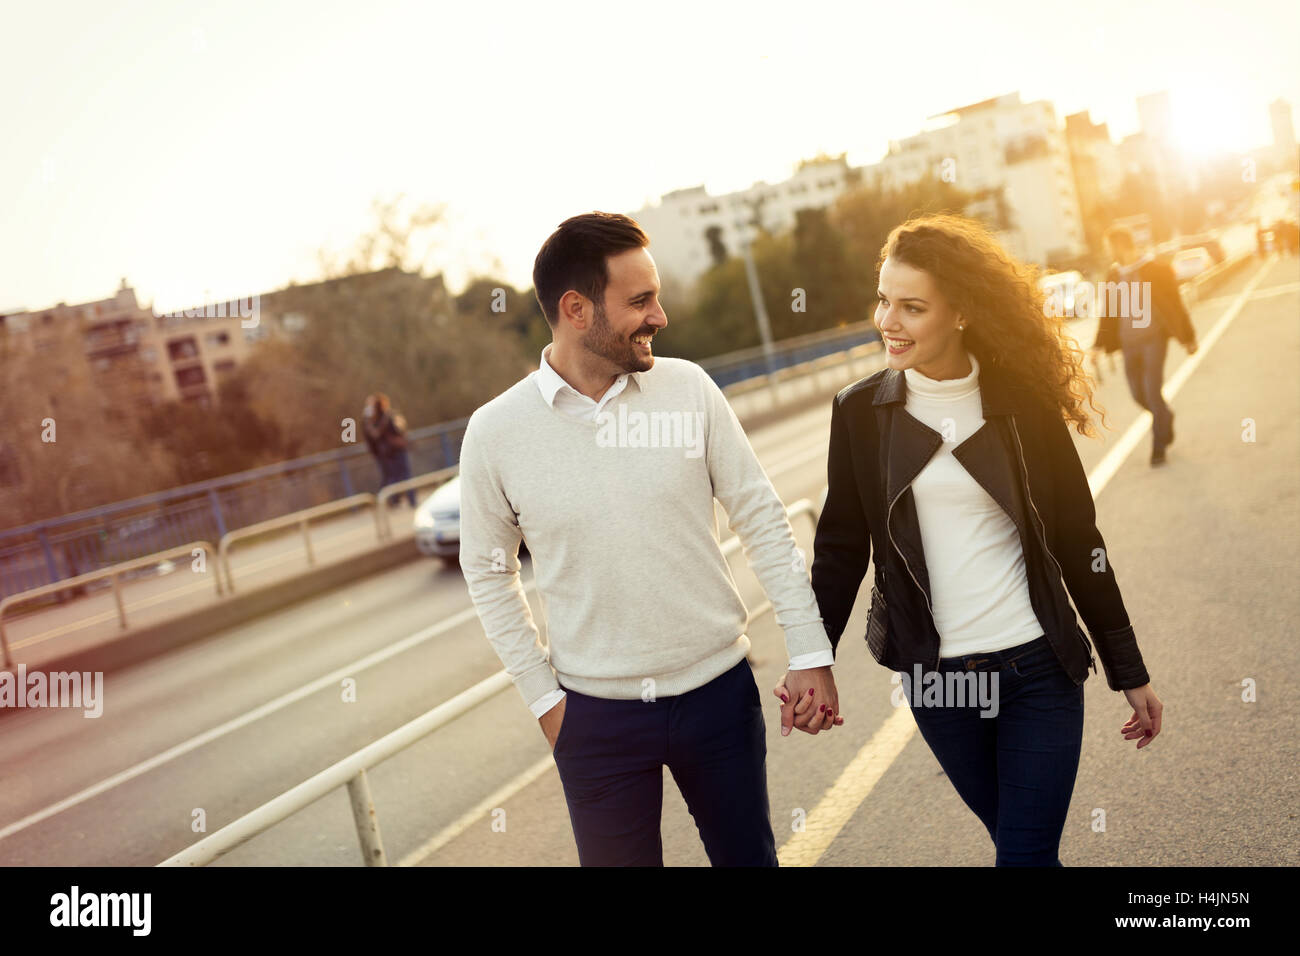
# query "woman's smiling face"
(918, 326)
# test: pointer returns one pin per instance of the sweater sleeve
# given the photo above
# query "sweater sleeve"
(757, 516)
(489, 559)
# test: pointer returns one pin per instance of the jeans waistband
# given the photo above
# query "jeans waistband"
(993, 660)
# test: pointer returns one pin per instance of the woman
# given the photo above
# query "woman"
(955, 468)
(385, 433)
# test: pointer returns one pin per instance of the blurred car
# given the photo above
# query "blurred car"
(437, 523)
(1189, 263)
(1061, 287)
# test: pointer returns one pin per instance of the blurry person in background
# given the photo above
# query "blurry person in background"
(1286, 237)
(385, 432)
(1156, 312)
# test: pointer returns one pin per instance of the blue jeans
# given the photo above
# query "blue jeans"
(1144, 364)
(1014, 770)
(611, 755)
(395, 469)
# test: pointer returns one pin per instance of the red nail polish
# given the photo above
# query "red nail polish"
(784, 699)
(821, 708)
(810, 691)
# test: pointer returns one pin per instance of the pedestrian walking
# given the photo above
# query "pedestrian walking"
(1151, 312)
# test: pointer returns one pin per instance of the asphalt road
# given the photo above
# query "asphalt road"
(1205, 551)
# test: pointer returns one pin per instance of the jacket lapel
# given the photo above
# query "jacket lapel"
(907, 444)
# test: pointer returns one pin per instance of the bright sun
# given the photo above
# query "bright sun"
(1207, 121)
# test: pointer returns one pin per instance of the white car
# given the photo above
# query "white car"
(1189, 263)
(1060, 286)
(437, 523)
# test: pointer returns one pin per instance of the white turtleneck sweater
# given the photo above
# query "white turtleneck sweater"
(972, 549)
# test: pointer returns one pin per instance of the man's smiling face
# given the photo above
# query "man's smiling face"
(622, 329)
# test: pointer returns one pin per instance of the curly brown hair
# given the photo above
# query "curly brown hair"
(1007, 326)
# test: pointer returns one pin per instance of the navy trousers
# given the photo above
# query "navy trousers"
(1144, 367)
(394, 469)
(1015, 770)
(611, 755)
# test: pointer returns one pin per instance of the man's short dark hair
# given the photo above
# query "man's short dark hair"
(573, 257)
(1119, 236)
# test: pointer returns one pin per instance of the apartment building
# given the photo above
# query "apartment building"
(144, 357)
(1012, 155)
(140, 357)
(690, 230)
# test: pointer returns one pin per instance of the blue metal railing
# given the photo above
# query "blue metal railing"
(59, 548)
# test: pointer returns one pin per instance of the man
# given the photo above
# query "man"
(646, 633)
(1156, 312)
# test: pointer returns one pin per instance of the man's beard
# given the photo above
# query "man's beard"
(602, 340)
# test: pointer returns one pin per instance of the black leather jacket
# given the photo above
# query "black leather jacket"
(1024, 457)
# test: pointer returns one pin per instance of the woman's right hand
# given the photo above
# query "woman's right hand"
(800, 706)
(1147, 710)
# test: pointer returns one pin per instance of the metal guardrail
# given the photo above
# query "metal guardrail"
(753, 363)
(301, 518)
(222, 566)
(112, 573)
(47, 551)
(351, 770)
(399, 488)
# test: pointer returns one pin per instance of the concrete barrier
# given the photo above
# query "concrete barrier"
(151, 640)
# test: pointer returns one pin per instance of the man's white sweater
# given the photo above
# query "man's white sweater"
(619, 519)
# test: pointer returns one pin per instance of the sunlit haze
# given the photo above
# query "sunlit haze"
(211, 152)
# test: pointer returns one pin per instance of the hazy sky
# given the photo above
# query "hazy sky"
(210, 151)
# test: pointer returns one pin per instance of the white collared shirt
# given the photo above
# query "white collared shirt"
(563, 397)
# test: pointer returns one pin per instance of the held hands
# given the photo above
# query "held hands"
(551, 721)
(809, 700)
(1145, 722)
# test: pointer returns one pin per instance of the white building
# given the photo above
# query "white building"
(1000, 146)
(690, 230)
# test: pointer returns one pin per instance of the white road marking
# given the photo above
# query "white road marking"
(838, 804)
(476, 815)
(330, 680)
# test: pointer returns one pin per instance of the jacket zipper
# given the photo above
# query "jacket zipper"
(890, 530)
(1039, 525)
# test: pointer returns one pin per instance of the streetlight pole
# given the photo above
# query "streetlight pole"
(755, 290)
